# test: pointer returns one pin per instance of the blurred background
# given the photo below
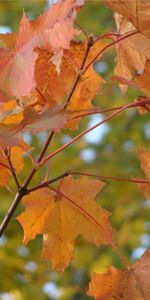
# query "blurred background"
(112, 149)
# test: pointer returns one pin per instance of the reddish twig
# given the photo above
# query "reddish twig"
(48, 182)
(110, 177)
(108, 46)
(99, 111)
(136, 104)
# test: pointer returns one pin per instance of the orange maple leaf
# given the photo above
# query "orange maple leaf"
(61, 217)
(133, 284)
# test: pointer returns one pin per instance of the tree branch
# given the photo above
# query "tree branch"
(22, 191)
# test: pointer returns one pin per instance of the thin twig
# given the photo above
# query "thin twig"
(7, 153)
(108, 46)
(98, 111)
(67, 173)
(47, 183)
(143, 181)
(107, 35)
(135, 104)
(82, 29)
(79, 74)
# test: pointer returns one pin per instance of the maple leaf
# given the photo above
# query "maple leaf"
(132, 53)
(53, 30)
(61, 217)
(137, 12)
(133, 284)
(145, 166)
(16, 156)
